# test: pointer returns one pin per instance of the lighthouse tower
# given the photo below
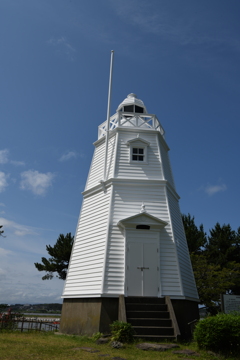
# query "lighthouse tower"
(130, 238)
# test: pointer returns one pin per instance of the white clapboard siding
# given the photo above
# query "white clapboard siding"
(125, 169)
(97, 166)
(127, 202)
(98, 260)
(167, 171)
(188, 281)
(87, 261)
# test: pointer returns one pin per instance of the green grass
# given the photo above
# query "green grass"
(50, 346)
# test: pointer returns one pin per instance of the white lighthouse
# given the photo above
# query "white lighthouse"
(130, 238)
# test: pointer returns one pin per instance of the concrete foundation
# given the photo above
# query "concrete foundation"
(186, 311)
(91, 315)
(88, 316)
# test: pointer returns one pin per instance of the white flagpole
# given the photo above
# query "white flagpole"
(108, 117)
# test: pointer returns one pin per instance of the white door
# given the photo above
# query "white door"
(142, 268)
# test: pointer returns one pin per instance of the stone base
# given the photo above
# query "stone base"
(88, 316)
(186, 311)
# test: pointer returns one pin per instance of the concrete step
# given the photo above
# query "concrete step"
(145, 307)
(153, 330)
(148, 314)
(150, 318)
(155, 338)
(142, 300)
(150, 322)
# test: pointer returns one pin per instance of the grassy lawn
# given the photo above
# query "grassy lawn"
(50, 346)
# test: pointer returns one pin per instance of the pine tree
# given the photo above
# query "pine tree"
(1, 231)
(60, 255)
(196, 238)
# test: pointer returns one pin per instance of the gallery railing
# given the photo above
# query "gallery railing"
(123, 119)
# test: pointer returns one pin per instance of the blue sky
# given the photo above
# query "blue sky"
(180, 57)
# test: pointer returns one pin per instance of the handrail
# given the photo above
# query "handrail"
(120, 119)
(122, 309)
(173, 317)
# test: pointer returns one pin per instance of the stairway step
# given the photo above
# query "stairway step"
(142, 300)
(153, 330)
(150, 322)
(156, 338)
(146, 307)
(148, 314)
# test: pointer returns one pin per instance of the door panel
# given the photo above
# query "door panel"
(150, 273)
(142, 268)
(134, 280)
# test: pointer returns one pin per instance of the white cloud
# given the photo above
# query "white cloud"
(36, 182)
(4, 252)
(2, 204)
(64, 45)
(19, 230)
(68, 155)
(213, 189)
(2, 272)
(190, 28)
(23, 283)
(17, 163)
(3, 181)
(4, 156)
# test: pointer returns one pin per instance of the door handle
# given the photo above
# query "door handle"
(143, 268)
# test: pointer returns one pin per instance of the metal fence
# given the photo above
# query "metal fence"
(25, 324)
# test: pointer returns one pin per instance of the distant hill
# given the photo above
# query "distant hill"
(32, 308)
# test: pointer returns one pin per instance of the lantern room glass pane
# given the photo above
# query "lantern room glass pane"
(138, 109)
(129, 108)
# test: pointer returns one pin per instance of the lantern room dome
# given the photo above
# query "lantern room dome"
(132, 104)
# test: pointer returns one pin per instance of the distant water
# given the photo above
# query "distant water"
(41, 314)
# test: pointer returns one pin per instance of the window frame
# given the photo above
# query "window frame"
(138, 143)
(138, 154)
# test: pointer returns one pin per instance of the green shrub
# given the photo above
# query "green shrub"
(122, 331)
(220, 333)
(96, 336)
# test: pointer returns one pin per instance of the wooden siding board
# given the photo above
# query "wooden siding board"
(166, 164)
(125, 169)
(86, 266)
(97, 166)
(97, 264)
(188, 281)
(127, 202)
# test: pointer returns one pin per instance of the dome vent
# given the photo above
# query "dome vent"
(132, 105)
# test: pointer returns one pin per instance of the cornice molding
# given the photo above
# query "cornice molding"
(104, 185)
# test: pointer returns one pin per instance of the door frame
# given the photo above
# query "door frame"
(130, 223)
(142, 241)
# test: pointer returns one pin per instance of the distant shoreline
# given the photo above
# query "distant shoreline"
(41, 315)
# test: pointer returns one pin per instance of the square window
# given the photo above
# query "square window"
(137, 154)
